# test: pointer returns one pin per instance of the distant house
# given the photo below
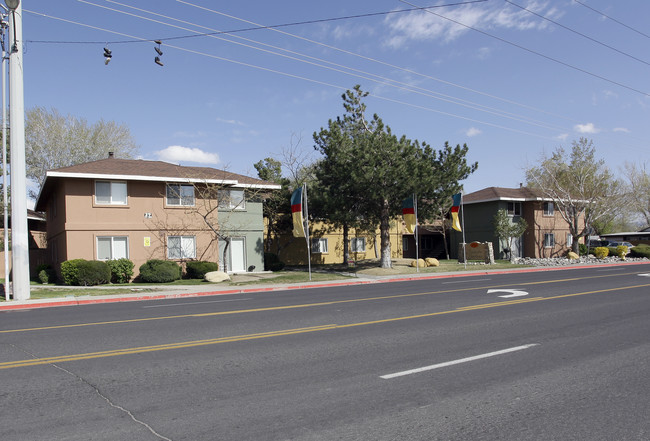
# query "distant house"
(547, 234)
(114, 208)
(36, 241)
(634, 237)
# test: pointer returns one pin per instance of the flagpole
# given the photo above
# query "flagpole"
(462, 219)
(306, 226)
(417, 254)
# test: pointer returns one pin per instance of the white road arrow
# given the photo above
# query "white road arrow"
(513, 292)
(645, 275)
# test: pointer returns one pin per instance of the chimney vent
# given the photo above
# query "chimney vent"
(111, 155)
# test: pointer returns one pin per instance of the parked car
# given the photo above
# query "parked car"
(613, 244)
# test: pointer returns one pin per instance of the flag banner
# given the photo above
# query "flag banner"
(296, 213)
(454, 212)
(408, 212)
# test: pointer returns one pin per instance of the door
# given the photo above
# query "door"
(237, 255)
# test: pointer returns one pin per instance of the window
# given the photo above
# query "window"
(319, 246)
(112, 247)
(514, 208)
(110, 193)
(358, 244)
(232, 199)
(181, 247)
(426, 242)
(569, 240)
(549, 240)
(405, 243)
(180, 195)
(548, 208)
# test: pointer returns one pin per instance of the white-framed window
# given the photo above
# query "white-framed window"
(549, 209)
(232, 199)
(180, 195)
(110, 193)
(514, 208)
(181, 247)
(358, 245)
(319, 245)
(549, 240)
(112, 247)
(569, 240)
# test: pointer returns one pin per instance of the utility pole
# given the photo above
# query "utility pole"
(19, 232)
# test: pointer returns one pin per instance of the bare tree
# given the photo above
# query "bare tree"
(638, 191)
(580, 186)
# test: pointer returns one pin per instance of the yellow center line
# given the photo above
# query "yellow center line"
(306, 305)
(236, 338)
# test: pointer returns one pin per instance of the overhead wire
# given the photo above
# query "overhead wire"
(295, 76)
(613, 19)
(357, 72)
(539, 54)
(578, 33)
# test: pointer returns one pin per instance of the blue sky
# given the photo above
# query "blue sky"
(510, 84)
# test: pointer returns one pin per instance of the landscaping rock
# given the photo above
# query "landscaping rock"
(216, 277)
(418, 263)
(572, 256)
(430, 261)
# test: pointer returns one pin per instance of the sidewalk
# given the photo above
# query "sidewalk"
(158, 292)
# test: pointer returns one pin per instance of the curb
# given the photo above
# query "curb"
(80, 301)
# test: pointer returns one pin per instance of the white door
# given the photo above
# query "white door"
(237, 255)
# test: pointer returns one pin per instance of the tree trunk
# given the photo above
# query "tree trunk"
(384, 228)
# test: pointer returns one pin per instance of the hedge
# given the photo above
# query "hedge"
(70, 270)
(641, 250)
(196, 269)
(160, 271)
(93, 272)
(121, 270)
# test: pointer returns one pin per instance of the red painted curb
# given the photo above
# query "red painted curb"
(7, 306)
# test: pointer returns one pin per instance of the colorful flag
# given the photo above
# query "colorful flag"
(454, 212)
(408, 212)
(296, 213)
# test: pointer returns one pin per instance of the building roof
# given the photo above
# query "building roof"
(142, 170)
(490, 194)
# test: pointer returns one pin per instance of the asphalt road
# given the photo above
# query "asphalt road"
(565, 357)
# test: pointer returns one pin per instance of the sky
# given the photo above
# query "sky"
(249, 79)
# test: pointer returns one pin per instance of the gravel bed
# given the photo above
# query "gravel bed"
(563, 261)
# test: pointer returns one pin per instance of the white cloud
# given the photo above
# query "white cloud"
(622, 129)
(562, 136)
(473, 131)
(442, 24)
(586, 128)
(230, 121)
(178, 154)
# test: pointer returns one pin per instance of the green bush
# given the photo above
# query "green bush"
(640, 251)
(583, 250)
(93, 272)
(121, 270)
(601, 252)
(69, 271)
(272, 262)
(45, 273)
(196, 269)
(160, 271)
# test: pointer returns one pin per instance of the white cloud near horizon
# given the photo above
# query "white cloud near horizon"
(586, 128)
(177, 154)
(621, 129)
(229, 121)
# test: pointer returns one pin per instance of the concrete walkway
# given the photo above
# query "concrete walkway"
(157, 292)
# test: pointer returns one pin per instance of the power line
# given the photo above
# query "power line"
(613, 19)
(539, 54)
(578, 33)
(255, 28)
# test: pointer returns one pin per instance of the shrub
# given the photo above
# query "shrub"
(45, 273)
(621, 251)
(121, 270)
(69, 271)
(93, 272)
(272, 262)
(640, 251)
(583, 249)
(160, 271)
(601, 252)
(196, 269)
